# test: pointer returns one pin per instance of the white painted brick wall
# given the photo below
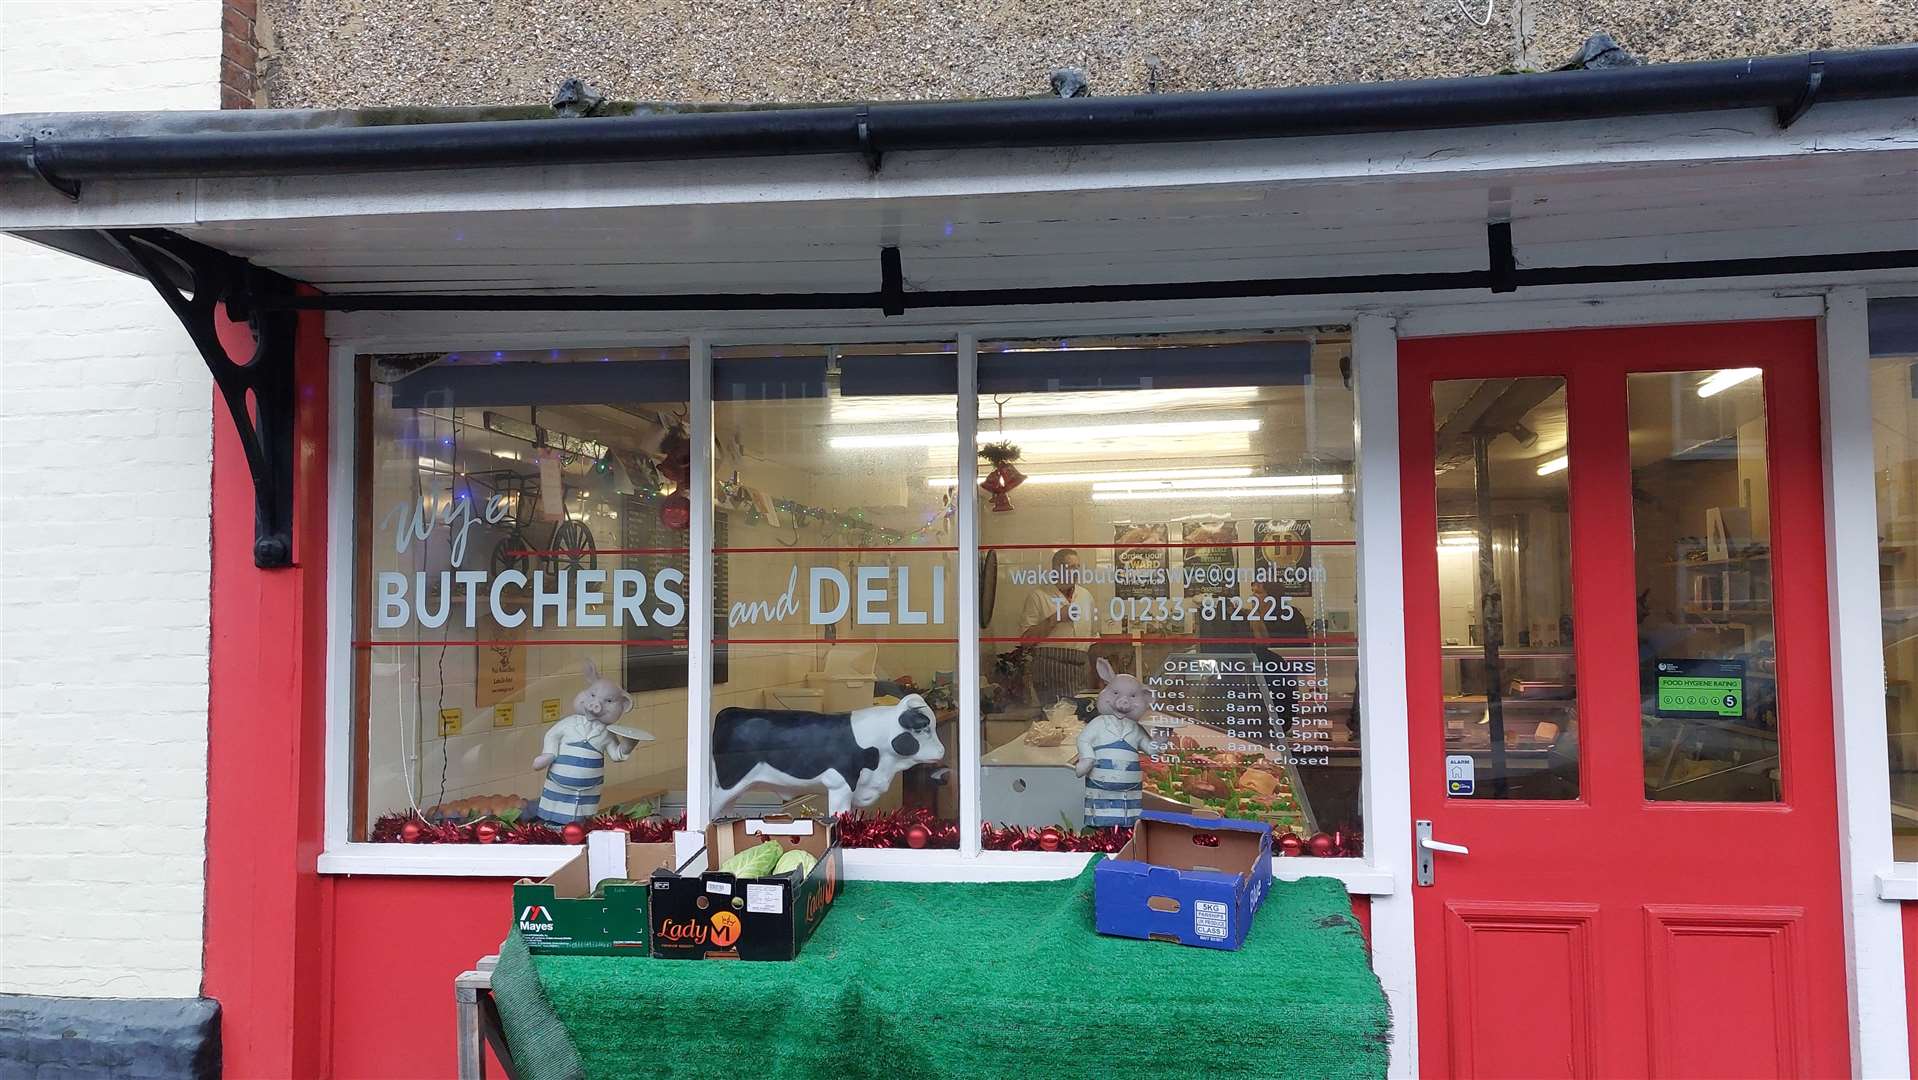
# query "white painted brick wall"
(105, 452)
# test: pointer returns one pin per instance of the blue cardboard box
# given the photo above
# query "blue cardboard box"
(1185, 878)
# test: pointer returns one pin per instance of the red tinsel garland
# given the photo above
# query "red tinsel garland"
(906, 828)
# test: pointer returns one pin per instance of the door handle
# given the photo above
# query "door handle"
(1427, 845)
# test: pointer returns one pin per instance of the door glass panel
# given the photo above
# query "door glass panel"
(1701, 525)
(1505, 588)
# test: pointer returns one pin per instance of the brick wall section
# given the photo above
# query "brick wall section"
(239, 54)
(105, 456)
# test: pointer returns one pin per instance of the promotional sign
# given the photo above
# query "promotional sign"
(1142, 572)
(1284, 555)
(1700, 689)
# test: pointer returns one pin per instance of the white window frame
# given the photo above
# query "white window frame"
(341, 854)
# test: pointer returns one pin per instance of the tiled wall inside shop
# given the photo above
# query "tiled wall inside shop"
(105, 458)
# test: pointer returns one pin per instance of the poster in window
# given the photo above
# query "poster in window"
(1141, 571)
(1211, 562)
(1284, 555)
(502, 664)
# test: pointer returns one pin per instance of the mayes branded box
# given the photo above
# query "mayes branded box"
(1187, 878)
(702, 914)
(567, 913)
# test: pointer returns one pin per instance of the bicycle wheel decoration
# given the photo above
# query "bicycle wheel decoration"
(572, 548)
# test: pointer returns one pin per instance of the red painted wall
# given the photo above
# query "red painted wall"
(397, 944)
(265, 950)
(1910, 912)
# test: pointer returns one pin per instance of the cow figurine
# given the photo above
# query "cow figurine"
(855, 756)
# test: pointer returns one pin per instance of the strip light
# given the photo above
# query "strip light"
(1234, 493)
(943, 482)
(1726, 378)
(1553, 465)
(1087, 433)
(1332, 481)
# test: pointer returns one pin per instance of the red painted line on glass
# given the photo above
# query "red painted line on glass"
(529, 553)
(725, 551)
(1349, 639)
(1181, 544)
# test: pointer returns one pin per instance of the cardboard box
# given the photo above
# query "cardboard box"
(706, 914)
(570, 912)
(1189, 878)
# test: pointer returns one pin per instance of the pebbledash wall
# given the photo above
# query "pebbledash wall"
(105, 456)
(374, 53)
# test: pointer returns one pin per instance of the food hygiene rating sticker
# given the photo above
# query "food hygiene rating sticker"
(1693, 689)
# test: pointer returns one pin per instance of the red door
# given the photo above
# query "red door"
(1620, 695)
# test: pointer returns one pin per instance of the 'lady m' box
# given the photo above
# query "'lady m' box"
(1185, 878)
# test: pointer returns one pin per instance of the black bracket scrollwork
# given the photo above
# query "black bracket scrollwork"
(258, 391)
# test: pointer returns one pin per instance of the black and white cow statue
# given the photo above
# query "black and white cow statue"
(855, 756)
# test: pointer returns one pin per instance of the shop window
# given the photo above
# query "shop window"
(1701, 523)
(834, 472)
(1505, 586)
(1894, 412)
(1169, 520)
(520, 654)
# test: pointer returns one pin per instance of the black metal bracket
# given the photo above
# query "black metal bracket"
(1807, 95)
(892, 282)
(1502, 264)
(868, 149)
(259, 391)
(69, 188)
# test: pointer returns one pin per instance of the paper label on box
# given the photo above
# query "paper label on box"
(767, 899)
(1211, 920)
(721, 887)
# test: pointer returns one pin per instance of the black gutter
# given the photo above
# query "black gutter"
(1786, 84)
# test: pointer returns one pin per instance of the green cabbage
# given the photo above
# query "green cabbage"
(797, 859)
(753, 862)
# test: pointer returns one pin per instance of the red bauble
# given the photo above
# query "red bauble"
(1049, 838)
(676, 511)
(573, 833)
(1321, 845)
(1289, 844)
(411, 831)
(917, 835)
(486, 832)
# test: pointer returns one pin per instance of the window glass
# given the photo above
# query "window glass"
(1894, 414)
(1169, 519)
(1701, 524)
(837, 645)
(520, 649)
(1505, 588)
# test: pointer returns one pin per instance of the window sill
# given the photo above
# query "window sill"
(862, 864)
(1901, 883)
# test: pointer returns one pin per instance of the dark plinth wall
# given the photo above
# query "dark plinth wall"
(83, 1038)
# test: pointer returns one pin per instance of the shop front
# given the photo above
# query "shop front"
(1490, 494)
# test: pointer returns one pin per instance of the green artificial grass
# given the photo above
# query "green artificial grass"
(903, 981)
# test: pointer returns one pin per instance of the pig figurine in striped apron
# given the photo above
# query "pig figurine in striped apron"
(1110, 748)
(577, 747)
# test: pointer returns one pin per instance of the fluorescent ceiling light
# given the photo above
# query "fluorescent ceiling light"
(1286, 483)
(1458, 540)
(1553, 465)
(1023, 436)
(941, 482)
(1726, 378)
(1235, 493)
(1101, 403)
